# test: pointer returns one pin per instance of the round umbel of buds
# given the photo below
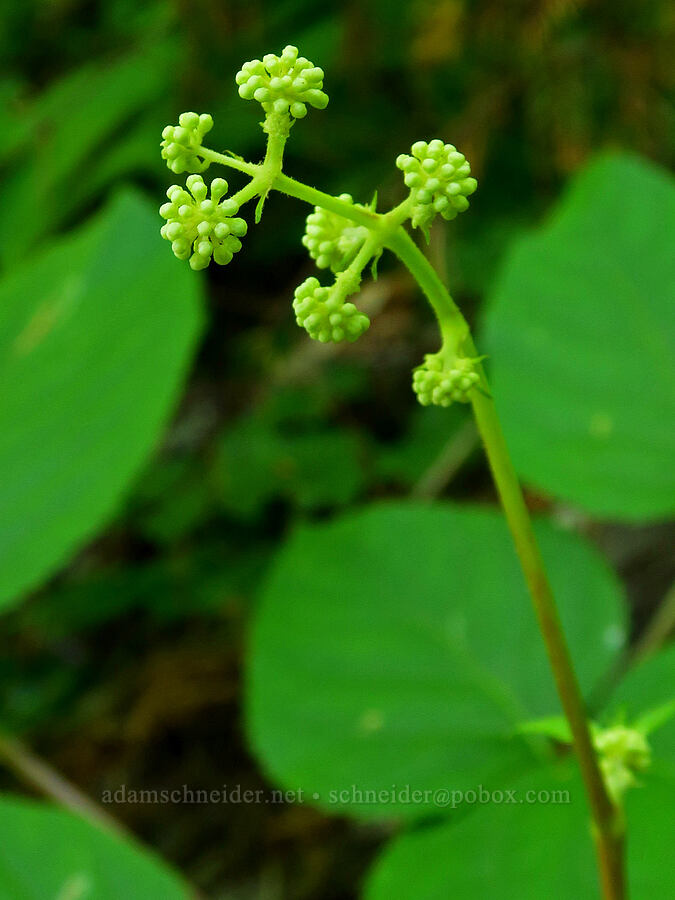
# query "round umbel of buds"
(333, 241)
(439, 178)
(181, 143)
(442, 383)
(283, 84)
(326, 315)
(199, 227)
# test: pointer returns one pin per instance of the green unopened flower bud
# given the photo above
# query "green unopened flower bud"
(283, 84)
(200, 227)
(439, 178)
(326, 315)
(332, 240)
(181, 143)
(441, 383)
(623, 752)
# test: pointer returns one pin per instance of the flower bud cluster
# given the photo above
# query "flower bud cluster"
(325, 314)
(181, 143)
(201, 228)
(439, 180)
(623, 752)
(283, 84)
(439, 383)
(332, 240)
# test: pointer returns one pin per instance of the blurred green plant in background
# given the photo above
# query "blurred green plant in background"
(161, 434)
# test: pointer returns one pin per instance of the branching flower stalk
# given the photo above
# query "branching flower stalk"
(344, 237)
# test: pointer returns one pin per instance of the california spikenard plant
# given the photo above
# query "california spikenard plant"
(344, 237)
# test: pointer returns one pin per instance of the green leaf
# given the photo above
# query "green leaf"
(528, 849)
(656, 718)
(119, 86)
(49, 853)
(95, 338)
(580, 333)
(259, 208)
(397, 646)
(555, 727)
(69, 128)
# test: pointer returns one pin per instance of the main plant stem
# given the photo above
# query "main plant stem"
(607, 820)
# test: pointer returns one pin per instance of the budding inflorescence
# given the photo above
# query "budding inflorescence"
(439, 178)
(623, 752)
(200, 228)
(441, 383)
(325, 313)
(181, 143)
(283, 84)
(332, 240)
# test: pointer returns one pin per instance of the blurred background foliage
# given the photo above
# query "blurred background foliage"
(124, 667)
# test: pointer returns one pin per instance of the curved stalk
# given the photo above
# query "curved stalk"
(607, 819)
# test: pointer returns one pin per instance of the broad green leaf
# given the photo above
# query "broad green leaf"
(49, 853)
(397, 646)
(95, 338)
(518, 849)
(581, 337)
